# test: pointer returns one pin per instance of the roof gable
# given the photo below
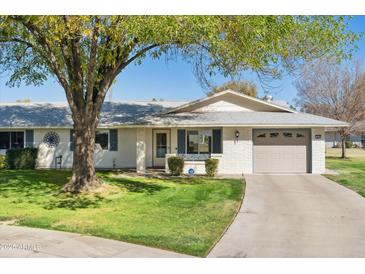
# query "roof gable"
(221, 106)
(229, 100)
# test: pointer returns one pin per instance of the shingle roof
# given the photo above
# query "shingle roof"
(246, 118)
(59, 115)
(23, 115)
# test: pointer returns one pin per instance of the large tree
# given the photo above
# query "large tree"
(244, 87)
(86, 53)
(333, 90)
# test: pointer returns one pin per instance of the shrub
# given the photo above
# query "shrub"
(349, 144)
(211, 166)
(21, 158)
(176, 165)
(2, 162)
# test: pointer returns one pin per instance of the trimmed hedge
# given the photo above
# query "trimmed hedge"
(176, 165)
(2, 161)
(21, 158)
(349, 144)
(211, 166)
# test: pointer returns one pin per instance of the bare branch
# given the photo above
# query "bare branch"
(332, 90)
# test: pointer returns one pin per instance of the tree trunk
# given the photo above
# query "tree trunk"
(343, 147)
(84, 176)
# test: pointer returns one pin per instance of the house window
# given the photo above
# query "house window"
(13, 139)
(262, 135)
(17, 139)
(300, 135)
(274, 134)
(102, 139)
(4, 140)
(199, 142)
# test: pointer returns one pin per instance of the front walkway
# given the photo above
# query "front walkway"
(23, 242)
(295, 216)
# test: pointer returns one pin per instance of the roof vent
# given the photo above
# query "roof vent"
(267, 98)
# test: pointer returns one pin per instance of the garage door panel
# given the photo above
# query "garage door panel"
(285, 153)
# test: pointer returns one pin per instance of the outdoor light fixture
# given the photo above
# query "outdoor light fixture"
(237, 134)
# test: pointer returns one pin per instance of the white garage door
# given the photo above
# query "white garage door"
(281, 150)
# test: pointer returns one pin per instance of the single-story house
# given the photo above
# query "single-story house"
(246, 134)
(333, 137)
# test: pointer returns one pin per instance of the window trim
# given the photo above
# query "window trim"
(199, 130)
(10, 139)
(103, 131)
(155, 144)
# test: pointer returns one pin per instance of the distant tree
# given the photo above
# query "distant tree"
(86, 54)
(244, 87)
(23, 100)
(335, 91)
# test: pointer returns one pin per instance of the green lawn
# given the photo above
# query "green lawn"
(186, 215)
(352, 169)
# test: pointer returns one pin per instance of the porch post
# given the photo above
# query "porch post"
(141, 150)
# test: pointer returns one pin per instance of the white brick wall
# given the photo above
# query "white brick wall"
(47, 155)
(237, 154)
(125, 157)
(318, 151)
(236, 157)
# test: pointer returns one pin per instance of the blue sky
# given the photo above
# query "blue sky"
(159, 79)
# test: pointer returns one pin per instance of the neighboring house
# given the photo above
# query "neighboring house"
(333, 137)
(246, 134)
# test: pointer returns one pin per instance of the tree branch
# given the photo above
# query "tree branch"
(50, 58)
(92, 63)
(17, 40)
(134, 57)
(112, 74)
(76, 74)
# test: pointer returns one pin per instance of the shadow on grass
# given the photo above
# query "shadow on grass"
(43, 187)
(338, 158)
(137, 186)
(71, 202)
(31, 183)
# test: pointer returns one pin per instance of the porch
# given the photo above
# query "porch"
(195, 162)
(195, 145)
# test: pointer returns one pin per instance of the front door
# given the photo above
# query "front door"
(161, 145)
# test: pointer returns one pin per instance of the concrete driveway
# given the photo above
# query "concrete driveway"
(20, 242)
(295, 216)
